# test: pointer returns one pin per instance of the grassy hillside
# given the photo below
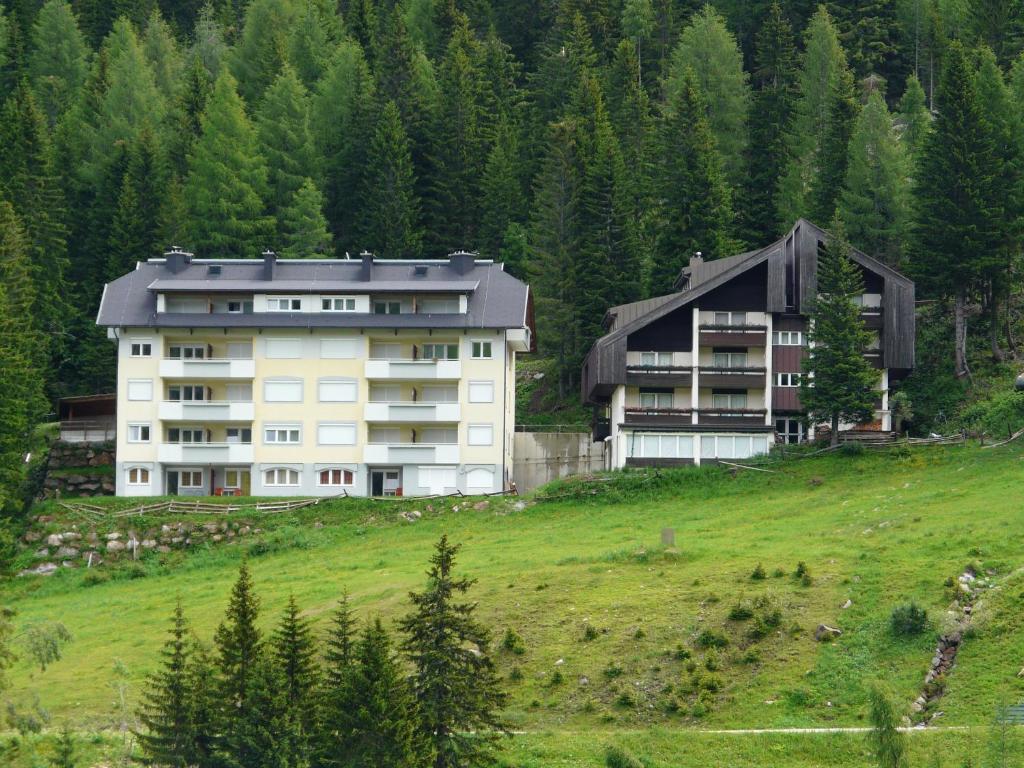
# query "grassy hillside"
(876, 530)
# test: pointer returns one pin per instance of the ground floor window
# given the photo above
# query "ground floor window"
(659, 446)
(190, 479)
(138, 476)
(335, 477)
(732, 446)
(790, 431)
(281, 476)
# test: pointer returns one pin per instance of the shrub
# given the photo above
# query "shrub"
(999, 416)
(625, 700)
(778, 573)
(750, 657)
(613, 670)
(681, 653)
(758, 574)
(711, 660)
(515, 674)
(851, 449)
(590, 633)
(801, 570)
(712, 683)
(908, 619)
(557, 678)
(741, 611)
(639, 634)
(712, 638)
(513, 643)
(619, 757)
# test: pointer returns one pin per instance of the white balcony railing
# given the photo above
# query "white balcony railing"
(410, 413)
(414, 370)
(205, 453)
(411, 453)
(219, 368)
(207, 410)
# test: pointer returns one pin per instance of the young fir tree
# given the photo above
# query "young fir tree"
(771, 110)
(377, 724)
(842, 388)
(340, 641)
(303, 228)
(696, 211)
(390, 212)
(834, 152)
(266, 731)
(168, 713)
(59, 61)
(914, 118)
(262, 49)
(709, 50)
(887, 743)
(65, 755)
(956, 229)
(457, 691)
(227, 180)
(294, 651)
(874, 202)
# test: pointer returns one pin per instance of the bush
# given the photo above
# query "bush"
(909, 619)
(851, 449)
(758, 574)
(625, 700)
(613, 670)
(711, 660)
(557, 678)
(801, 570)
(590, 633)
(681, 653)
(515, 674)
(741, 611)
(712, 683)
(618, 757)
(998, 416)
(712, 638)
(513, 643)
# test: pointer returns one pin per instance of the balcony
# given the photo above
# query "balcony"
(205, 453)
(657, 417)
(406, 413)
(739, 377)
(414, 370)
(731, 416)
(872, 318)
(411, 453)
(720, 335)
(206, 410)
(218, 368)
(659, 375)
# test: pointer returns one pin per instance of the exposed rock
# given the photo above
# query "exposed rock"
(560, 662)
(115, 546)
(112, 536)
(148, 543)
(847, 604)
(54, 540)
(163, 549)
(481, 505)
(519, 506)
(71, 536)
(31, 537)
(584, 680)
(825, 634)
(43, 569)
(411, 516)
(44, 552)
(66, 552)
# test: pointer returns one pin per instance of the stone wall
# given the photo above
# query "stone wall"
(84, 459)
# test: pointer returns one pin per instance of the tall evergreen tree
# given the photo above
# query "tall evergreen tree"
(887, 743)
(457, 691)
(771, 111)
(914, 118)
(709, 51)
(186, 113)
(843, 387)
(265, 732)
(295, 653)
(227, 180)
(696, 211)
(161, 50)
(999, 25)
(874, 202)
(503, 199)
(869, 30)
(59, 61)
(390, 212)
(262, 49)
(303, 225)
(316, 32)
(137, 226)
(834, 150)
(338, 651)
(209, 46)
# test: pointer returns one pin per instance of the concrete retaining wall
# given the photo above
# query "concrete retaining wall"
(541, 457)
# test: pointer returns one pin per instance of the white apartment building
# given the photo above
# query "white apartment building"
(315, 376)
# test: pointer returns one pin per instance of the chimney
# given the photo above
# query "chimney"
(696, 260)
(269, 263)
(366, 267)
(177, 259)
(462, 261)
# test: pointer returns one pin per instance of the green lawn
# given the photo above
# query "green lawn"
(874, 529)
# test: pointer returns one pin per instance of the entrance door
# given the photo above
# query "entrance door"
(172, 482)
(385, 482)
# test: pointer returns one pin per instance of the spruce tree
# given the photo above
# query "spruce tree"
(315, 33)
(295, 653)
(59, 61)
(914, 118)
(161, 51)
(186, 113)
(696, 213)
(303, 226)
(843, 386)
(771, 112)
(266, 732)
(377, 724)
(338, 652)
(65, 755)
(262, 49)
(209, 46)
(998, 25)
(709, 51)
(390, 213)
(457, 691)
(869, 30)
(136, 230)
(227, 180)
(834, 151)
(874, 203)
(503, 200)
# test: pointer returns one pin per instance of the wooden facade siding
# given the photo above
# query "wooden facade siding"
(873, 321)
(788, 359)
(720, 419)
(786, 399)
(776, 291)
(737, 378)
(717, 338)
(898, 334)
(637, 420)
(668, 377)
(807, 241)
(790, 323)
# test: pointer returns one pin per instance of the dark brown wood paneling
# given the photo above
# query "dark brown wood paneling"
(711, 338)
(776, 296)
(786, 399)
(789, 323)
(671, 333)
(746, 380)
(898, 334)
(873, 320)
(807, 266)
(746, 291)
(651, 418)
(676, 377)
(730, 421)
(787, 359)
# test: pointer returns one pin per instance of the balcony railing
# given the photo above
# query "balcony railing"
(205, 453)
(411, 453)
(659, 375)
(207, 410)
(210, 368)
(410, 412)
(723, 335)
(727, 376)
(640, 416)
(414, 370)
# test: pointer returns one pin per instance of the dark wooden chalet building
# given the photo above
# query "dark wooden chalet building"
(712, 371)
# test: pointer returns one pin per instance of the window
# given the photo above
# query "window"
(737, 400)
(338, 304)
(336, 434)
(441, 393)
(788, 338)
(187, 351)
(338, 390)
(182, 304)
(239, 350)
(439, 435)
(338, 349)
(787, 379)
(238, 393)
(190, 478)
(334, 477)
(281, 476)
(138, 476)
(238, 435)
(284, 304)
(282, 390)
(191, 392)
(385, 434)
(481, 391)
(730, 318)
(140, 389)
(186, 435)
(380, 351)
(387, 307)
(732, 446)
(729, 359)
(390, 393)
(655, 398)
(141, 349)
(790, 431)
(233, 478)
(660, 446)
(480, 479)
(656, 359)
(138, 433)
(440, 351)
(284, 349)
(436, 479)
(444, 306)
(481, 350)
(480, 434)
(282, 435)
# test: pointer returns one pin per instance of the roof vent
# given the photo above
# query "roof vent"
(366, 267)
(462, 261)
(177, 259)
(420, 269)
(269, 264)
(214, 270)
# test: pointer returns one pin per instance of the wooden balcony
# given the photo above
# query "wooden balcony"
(731, 416)
(659, 375)
(872, 318)
(657, 417)
(740, 377)
(717, 335)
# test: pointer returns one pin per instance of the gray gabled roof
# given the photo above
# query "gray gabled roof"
(496, 299)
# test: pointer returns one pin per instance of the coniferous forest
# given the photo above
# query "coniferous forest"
(591, 146)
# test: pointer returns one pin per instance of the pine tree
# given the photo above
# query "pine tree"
(295, 654)
(457, 691)
(285, 141)
(262, 49)
(887, 743)
(709, 50)
(637, 25)
(503, 199)
(869, 31)
(843, 386)
(168, 712)
(209, 47)
(390, 213)
(59, 61)
(227, 180)
(376, 726)
(303, 226)
(771, 112)
(914, 118)
(874, 202)
(834, 151)
(696, 213)
(956, 228)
